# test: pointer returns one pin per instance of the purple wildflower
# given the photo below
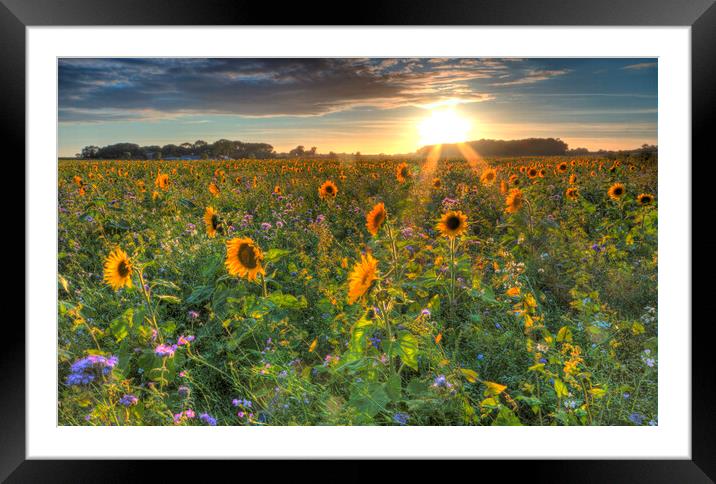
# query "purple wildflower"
(208, 419)
(184, 340)
(165, 350)
(128, 400)
(84, 371)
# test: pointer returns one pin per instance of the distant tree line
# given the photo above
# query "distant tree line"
(494, 147)
(227, 149)
(200, 149)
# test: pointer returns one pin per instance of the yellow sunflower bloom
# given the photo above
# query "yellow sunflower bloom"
(452, 224)
(616, 191)
(375, 218)
(362, 277)
(243, 258)
(645, 199)
(514, 201)
(118, 269)
(402, 172)
(488, 176)
(212, 222)
(162, 181)
(327, 190)
(214, 189)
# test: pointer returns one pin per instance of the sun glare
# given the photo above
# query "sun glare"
(443, 126)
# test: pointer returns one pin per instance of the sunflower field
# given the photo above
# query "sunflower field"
(507, 291)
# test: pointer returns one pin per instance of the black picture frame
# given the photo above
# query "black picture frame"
(700, 15)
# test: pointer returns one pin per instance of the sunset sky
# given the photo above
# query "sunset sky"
(348, 105)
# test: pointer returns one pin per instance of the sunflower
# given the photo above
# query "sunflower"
(362, 277)
(162, 181)
(562, 167)
(327, 190)
(616, 191)
(645, 199)
(572, 179)
(514, 180)
(532, 172)
(214, 189)
(212, 222)
(277, 190)
(571, 193)
(243, 258)
(402, 172)
(375, 218)
(437, 183)
(452, 224)
(488, 176)
(514, 201)
(118, 269)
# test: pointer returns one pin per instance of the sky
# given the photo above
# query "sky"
(373, 105)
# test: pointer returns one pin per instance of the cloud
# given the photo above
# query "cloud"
(532, 76)
(101, 90)
(640, 66)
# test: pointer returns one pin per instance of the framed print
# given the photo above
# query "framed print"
(440, 232)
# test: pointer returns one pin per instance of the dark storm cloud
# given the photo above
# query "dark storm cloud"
(92, 90)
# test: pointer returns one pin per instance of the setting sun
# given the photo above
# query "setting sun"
(443, 126)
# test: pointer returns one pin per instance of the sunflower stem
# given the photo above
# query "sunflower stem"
(148, 303)
(393, 247)
(452, 273)
(263, 285)
(389, 329)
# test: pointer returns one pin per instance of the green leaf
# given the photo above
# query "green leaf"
(597, 334)
(275, 254)
(369, 399)
(417, 387)
(187, 203)
(163, 283)
(168, 298)
(560, 388)
(564, 334)
(287, 301)
(407, 348)
(356, 345)
(506, 417)
(200, 295)
(598, 392)
(470, 375)
(121, 326)
(392, 387)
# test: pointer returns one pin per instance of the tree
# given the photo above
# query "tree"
(298, 151)
(89, 152)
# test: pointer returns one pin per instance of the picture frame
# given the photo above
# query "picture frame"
(17, 15)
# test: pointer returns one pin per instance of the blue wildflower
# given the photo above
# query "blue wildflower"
(128, 400)
(636, 418)
(208, 419)
(84, 371)
(401, 418)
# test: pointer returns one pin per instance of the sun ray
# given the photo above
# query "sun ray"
(472, 157)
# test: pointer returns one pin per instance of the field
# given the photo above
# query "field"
(511, 291)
